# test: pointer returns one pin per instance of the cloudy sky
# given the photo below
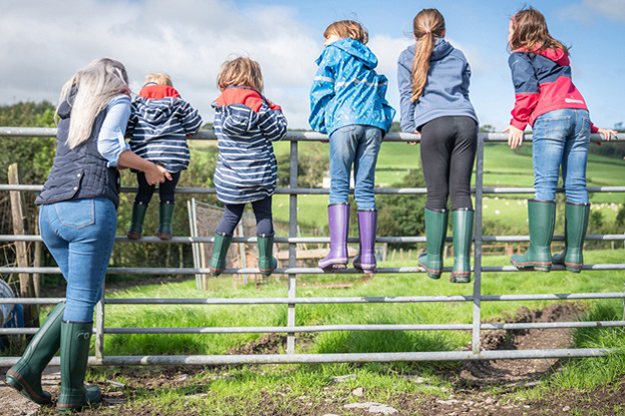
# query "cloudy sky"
(44, 42)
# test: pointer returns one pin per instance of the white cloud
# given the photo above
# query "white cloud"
(587, 11)
(45, 42)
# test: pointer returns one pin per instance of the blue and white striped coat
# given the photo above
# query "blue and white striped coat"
(159, 128)
(245, 125)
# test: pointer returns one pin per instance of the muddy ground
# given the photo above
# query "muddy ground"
(472, 385)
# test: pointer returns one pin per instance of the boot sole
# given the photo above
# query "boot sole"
(539, 266)
(432, 274)
(336, 264)
(215, 272)
(460, 278)
(17, 383)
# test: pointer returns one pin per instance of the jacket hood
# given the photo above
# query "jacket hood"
(156, 111)
(357, 49)
(558, 56)
(442, 48)
(158, 92)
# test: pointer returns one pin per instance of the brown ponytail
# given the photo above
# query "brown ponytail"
(427, 25)
(530, 32)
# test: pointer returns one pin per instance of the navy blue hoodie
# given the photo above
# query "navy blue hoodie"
(446, 91)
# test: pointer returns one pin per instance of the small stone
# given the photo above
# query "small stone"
(489, 400)
(279, 393)
(116, 384)
(343, 379)
(365, 405)
(382, 409)
(182, 378)
(447, 401)
(566, 408)
(358, 391)
(330, 414)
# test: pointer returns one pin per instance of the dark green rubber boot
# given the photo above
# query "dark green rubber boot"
(435, 232)
(542, 220)
(575, 226)
(166, 211)
(75, 340)
(136, 223)
(267, 263)
(220, 249)
(462, 223)
(25, 376)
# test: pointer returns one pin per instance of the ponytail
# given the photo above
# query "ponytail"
(428, 25)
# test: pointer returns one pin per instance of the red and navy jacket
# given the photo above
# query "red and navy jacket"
(542, 83)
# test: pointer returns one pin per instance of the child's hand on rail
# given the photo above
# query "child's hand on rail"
(516, 136)
(606, 134)
(414, 142)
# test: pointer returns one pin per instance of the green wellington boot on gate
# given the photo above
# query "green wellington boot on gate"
(435, 233)
(75, 340)
(221, 244)
(462, 223)
(25, 376)
(267, 263)
(575, 226)
(166, 213)
(542, 220)
(136, 223)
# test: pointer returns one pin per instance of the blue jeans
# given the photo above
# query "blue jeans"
(80, 234)
(561, 137)
(358, 145)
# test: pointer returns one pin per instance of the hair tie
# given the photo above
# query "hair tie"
(428, 30)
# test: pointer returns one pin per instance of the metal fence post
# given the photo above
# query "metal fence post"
(477, 262)
(290, 340)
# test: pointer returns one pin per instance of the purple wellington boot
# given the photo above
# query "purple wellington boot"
(367, 223)
(338, 218)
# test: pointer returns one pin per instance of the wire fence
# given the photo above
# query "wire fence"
(291, 300)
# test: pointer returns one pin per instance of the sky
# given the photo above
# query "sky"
(44, 42)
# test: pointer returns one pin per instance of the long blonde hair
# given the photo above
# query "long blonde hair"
(95, 85)
(428, 24)
(530, 32)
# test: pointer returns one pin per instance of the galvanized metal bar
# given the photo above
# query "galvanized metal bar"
(293, 135)
(312, 240)
(323, 301)
(293, 270)
(293, 174)
(137, 360)
(477, 261)
(324, 191)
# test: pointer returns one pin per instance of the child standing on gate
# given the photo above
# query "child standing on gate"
(158, 126)
(433, 79)
(245, 124)
(348, 103)
(547, 99)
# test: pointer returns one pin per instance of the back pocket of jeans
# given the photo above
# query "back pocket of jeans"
(79, 213)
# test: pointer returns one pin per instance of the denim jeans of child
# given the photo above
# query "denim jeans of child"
(358, 145)
(79, 234)
(561, 137)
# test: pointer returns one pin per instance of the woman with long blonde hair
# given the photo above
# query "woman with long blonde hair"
(77, 221)
(434, 81)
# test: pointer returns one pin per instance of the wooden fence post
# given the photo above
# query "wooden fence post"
(31, 318)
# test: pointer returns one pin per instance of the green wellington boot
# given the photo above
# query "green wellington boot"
(462, 223)
(435, 232)
(267, 263)
(542, 219)
(75, 340)
(575, 226)
(25, 376)
(217, 262)
(136, 223)
(166, 211)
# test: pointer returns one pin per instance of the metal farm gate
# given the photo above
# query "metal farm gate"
(291, 300)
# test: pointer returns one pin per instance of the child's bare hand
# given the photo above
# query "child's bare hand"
(414, 142)
(516, 136)
(606, 134)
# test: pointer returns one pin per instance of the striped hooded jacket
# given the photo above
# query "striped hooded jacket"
(245, 125)
(542, 83)
(347, 90)
(158, 126)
